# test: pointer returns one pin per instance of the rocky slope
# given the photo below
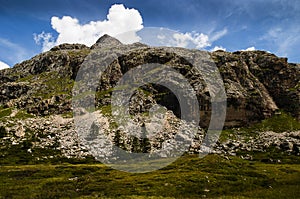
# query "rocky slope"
(36, 99)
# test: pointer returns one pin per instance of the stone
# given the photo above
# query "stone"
(20, 131)
(286, 145)
(296, 148)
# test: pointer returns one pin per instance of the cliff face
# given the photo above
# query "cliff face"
(265, 81)
(36, 95)
(257, 83)
(276, 79)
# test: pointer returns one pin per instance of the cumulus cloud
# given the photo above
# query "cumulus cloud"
(218, 48)
(121, 22)
(44, 39)
(126, 25)
(188, 40)
(249, 49)
(197, 40)
(155, 36)
(161, 37)
(3, 65)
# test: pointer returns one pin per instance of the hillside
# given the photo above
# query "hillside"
(39, 102)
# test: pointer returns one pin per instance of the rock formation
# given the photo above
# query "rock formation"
(36, 95)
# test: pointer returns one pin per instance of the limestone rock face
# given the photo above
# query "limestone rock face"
(279, 78)
(257, 83)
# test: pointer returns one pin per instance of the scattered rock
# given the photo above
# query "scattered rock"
(20, 131)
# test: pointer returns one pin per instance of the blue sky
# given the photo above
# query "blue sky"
(32, 26)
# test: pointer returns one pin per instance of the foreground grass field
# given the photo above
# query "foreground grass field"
(189, 177)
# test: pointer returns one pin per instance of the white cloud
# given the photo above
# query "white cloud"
(197, 40)
(124, 24)
(155, 36)
(3, 65)
(284, 41)
(44, 39)
(12, 52)
(191, 40)
(121, 22)
(218, 48)
(161, 37)
(249, 49)
(274, 33)
(217, 35)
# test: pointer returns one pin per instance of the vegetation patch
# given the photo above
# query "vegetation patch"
(188, 177)
(278, 123)
(22, 114)
(5, 112)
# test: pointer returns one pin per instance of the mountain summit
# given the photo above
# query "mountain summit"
(106, 40)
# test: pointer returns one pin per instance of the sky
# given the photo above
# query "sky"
(34, 26)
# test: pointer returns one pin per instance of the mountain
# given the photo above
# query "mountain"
(36, 106)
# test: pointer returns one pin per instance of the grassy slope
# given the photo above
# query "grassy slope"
(189, 177)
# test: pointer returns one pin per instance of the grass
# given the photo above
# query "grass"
(50, 84)
(28, 78)
(67, 115)
(22, 114)
(5, 112)
(106, 110)
(278, 123)
(188, 177)
(76, 53)
(54, 84)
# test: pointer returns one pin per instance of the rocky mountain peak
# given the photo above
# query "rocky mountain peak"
(106, 40)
